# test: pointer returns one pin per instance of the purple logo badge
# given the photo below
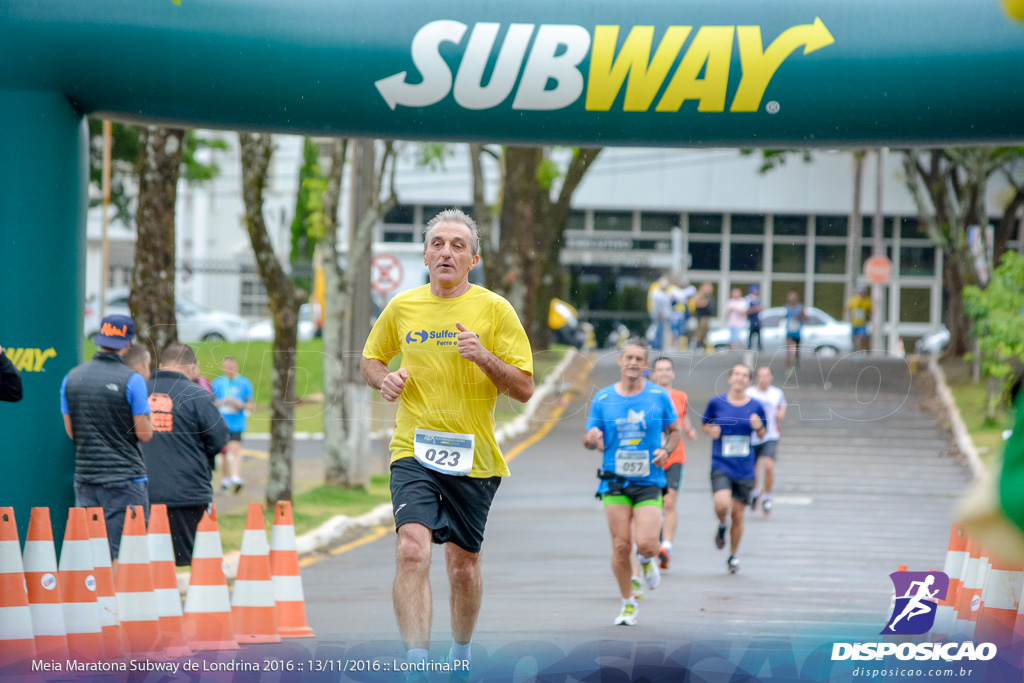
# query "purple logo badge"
(917, 595)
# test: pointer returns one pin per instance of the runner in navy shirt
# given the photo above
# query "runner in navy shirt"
(731, 419)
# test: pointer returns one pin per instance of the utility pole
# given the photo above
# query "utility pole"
(108, 144)
(878, 249)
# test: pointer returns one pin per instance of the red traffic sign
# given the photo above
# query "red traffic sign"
(878, 269)
(387, 273)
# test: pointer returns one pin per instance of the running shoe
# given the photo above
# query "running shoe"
(638, 588)
(766, 506)
(225, 484)
(754, 495)
(664, 557)
(458, 675)
(236, 485)
(627, 617)
(720, 537)
(652, 577)
(733, 563)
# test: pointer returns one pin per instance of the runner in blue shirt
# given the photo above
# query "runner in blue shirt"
(730, 420)
(795, 319)
(234, 398)
(626, 423)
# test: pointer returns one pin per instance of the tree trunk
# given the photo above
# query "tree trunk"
(257, 149)
(956, 265)
(482, 215)
(516, 243)
(854, 233)
(152, 295)
(336, 466)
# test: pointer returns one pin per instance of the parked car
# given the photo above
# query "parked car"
(195, 322)
(263, 330)
(821, 332)
(933, 343)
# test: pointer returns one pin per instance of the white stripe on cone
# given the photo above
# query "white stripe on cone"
(81, 617)
(168, 602)
(48, 619)
(134, 550)
(282, 537)
(288, 589)
(207, 546)
(107, 606)
(254, 542)
(100, 552)
(76, 556)
(1003, 589)
(161, 549)
(10, 557)
(252, 594)
(136, 607)
(40, 556)
(207, 599)
(16, 623)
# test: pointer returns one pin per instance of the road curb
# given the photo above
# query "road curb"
(956, 421)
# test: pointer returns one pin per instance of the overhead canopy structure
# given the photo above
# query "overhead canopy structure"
(747, 73)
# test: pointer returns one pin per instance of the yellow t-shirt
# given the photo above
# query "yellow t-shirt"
(860, 309)
(445, 392)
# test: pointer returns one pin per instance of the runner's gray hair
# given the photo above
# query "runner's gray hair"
(454, 216)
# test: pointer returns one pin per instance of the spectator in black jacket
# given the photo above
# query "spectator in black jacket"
(10, 381)
(188, 432)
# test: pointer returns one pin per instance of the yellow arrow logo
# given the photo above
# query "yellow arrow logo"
(760, 65)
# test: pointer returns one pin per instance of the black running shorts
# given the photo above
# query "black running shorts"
(674, 476)
(454, 508)
(740, 488)
(766, 449)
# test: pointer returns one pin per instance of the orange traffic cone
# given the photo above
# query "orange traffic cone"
(970, 590)
(208, 623)
(78, 590)
(16, 639)
(252, 601)
(136, 601)
(106, 599)
(43, 588)
(284, 569)
(945, 613)
(1001, 601)
(165, 583)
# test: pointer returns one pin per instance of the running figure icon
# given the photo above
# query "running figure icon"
(916, 606)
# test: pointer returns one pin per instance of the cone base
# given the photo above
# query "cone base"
(258, 638)
(295, 632)
(200, 646)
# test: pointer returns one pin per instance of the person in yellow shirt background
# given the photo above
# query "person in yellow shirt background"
(858, 311)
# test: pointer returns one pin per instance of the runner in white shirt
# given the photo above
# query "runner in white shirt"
(774, 402)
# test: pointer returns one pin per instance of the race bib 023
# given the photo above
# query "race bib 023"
(444, 452)
(633, 463)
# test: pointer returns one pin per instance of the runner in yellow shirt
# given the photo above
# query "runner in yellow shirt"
(461, 344)
(858, 308)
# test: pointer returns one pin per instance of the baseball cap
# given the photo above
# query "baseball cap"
(754, 288)
(116, 332)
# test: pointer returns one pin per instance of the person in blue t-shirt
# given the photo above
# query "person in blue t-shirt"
(731, 419)
(234, 398)
(795, 319)
(626, 423)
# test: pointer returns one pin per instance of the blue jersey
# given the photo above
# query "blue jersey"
(732, 452)
(238, 388)
(794, 320)
(632, 428)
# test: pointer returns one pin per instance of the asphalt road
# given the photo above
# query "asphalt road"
(865, 483)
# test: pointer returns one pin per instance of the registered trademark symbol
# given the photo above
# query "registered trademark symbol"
(772, 107)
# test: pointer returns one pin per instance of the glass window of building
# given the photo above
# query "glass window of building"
(577, 220)
(828, 296)
(618, 221)
(830, 226)
(705, 223)
(886, 227)
(658, 222)
(746, 257)
(830, 259)
(431, 211)
(406, 236)
(705, 256)
(910, 229)
(747, 224)
(401, 215)
(917, 260)
(915, 305)
(782, 288)
(790, 226)
(789, 258)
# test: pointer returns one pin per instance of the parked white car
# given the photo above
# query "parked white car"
(263, 329)
(195, 322)
(821, 332)
(934, 342)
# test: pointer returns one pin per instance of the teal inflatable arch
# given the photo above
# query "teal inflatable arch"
(748, 73)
